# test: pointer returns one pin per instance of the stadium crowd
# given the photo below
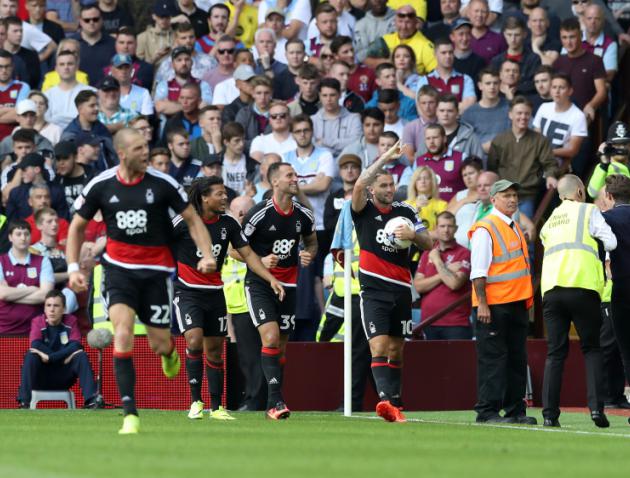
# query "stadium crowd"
(478, 92)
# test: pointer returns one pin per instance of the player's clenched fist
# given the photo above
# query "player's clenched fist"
(305, 258)
(207, 265)
(270, 261)
(77, 282)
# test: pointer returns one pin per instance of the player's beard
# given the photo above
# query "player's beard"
(384, 198)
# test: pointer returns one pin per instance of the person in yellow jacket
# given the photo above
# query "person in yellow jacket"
(572, 283)
(407, 33)
(247, 337)
(613, 157)
(502, 294)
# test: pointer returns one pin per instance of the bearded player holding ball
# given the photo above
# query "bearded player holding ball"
(384, 276)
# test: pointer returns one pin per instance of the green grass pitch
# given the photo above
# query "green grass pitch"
(85, 444)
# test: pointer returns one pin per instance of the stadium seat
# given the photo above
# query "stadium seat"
(52, 396)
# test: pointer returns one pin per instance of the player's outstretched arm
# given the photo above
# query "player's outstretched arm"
(76, 235)
(201, 238)
(423, 240)
(257, 267)
(359, 193)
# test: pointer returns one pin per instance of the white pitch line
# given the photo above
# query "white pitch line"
(511, 427)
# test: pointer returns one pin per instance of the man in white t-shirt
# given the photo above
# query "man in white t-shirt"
(563, 123)
(32, 37)
(61, 107)
(279, 140)
(314, 166)
(297, 17)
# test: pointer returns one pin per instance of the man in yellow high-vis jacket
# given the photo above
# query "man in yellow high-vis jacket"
(572, 283)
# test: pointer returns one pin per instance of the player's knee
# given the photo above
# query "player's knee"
(194, 341)
(214, 355)
(123, 338)
(270, 339)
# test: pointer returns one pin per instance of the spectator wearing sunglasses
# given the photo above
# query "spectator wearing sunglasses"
(96, 47)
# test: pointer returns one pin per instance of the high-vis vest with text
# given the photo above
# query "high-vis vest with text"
(233, 276)
(509, 278)
(571, 256)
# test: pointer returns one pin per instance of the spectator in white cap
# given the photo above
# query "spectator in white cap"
(26, 115)
(227, 91)
(242, 78)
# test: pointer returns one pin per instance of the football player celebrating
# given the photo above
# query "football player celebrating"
(200, 306)
(274, 228)
(135, 202)
(385, 277)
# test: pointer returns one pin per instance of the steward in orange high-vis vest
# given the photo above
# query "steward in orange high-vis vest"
(502, 294)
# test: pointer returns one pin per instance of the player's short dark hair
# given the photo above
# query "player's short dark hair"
(446, 215)
(521, 100)
(488, 70)
(373, 113)
(448, 98)
(274, 169)
(232, 130)
(570, 25)
(201, 187)
(618, 186)
(18, 224)
(560, 75)
(24, 135)
(308, 71)
(383, 66)
(179, 131)
(338, 42)
(302, 118)
(56, 294)
(331, 83)
(390, 135)
(83, 97)
(381, 172)
(388, 96)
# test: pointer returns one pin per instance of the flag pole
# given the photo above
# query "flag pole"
(347, 339)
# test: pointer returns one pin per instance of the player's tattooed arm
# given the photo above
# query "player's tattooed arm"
(254, 262)
(359, 193)
(76, 235)
(310, 249)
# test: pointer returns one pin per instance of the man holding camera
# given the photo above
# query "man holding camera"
(613, 157)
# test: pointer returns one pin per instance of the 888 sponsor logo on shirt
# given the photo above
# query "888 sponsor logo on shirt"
(383, 241)
(216, 250)
(282, 248)
(132, 221)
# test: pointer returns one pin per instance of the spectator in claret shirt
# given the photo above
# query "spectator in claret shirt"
(443, 278)
(444, 162)
(25, 279)
(485, 43)
(586, 70)
(362, 78)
